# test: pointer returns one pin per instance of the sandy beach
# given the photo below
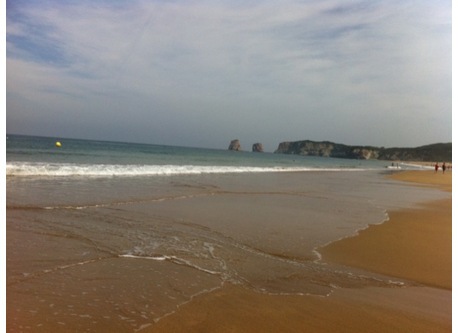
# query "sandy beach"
(231, 253)
(414, 244)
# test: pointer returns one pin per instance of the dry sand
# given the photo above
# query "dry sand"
(414, 244)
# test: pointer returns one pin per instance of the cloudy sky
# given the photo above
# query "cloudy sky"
(200, 73)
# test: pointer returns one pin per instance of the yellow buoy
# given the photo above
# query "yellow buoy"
(58, 144)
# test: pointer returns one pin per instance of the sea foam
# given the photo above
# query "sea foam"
(132, 170)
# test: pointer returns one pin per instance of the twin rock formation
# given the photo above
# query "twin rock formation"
(235, 145)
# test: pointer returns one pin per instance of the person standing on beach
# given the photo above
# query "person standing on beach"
(443, 167)
(436, 167)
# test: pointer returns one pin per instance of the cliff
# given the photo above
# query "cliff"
(439, 152)
(430, 153)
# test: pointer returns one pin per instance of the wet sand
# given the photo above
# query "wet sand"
(234, 309)
(414, 244)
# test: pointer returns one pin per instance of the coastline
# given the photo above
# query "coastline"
(415, 243)
(407, 246)
(424, 308)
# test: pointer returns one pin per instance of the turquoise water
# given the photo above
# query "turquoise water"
(39, 156)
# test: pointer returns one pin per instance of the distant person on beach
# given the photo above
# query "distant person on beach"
(436, 167)
(443, 167)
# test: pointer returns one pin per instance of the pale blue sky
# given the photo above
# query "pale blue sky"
(200, 73)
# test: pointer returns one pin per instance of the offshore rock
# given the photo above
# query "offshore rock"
(257, 148)
(235, 145)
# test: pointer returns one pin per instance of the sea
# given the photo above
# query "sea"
(113, 236)
(29, 156)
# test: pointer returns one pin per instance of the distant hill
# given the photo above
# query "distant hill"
(439, 152)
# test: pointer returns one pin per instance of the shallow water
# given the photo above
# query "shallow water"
(102, 254)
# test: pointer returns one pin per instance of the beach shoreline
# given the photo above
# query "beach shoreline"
(230, 253)
(422, 308)
(409, 241)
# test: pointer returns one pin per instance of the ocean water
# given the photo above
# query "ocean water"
(107, 236)
(38, 156)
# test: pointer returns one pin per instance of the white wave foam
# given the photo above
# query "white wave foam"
(174, 259)
(417, 166)
(132, 170)
(158, 258)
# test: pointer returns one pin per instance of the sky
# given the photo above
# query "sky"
(201, 73)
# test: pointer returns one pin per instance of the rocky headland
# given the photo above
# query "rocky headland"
(429, 153)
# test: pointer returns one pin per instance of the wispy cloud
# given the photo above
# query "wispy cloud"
(298, 67)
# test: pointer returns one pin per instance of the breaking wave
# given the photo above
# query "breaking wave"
(25, 169)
